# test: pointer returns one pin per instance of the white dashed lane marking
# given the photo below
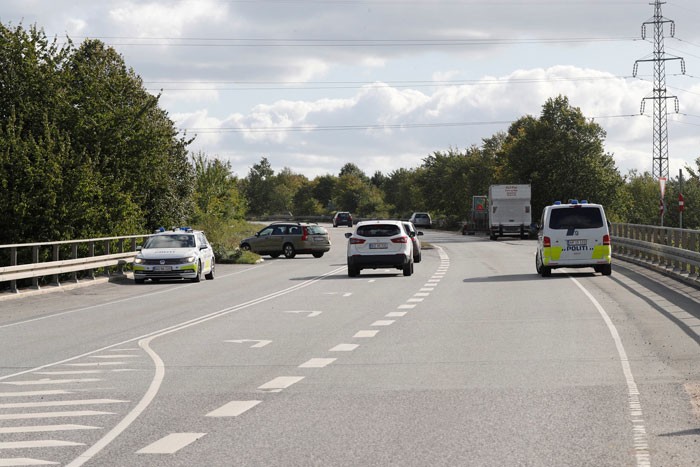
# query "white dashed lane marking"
(171, 443)
(233, 409)
(344, 348)
(383, 322)
(395, 314)
(281, 382)
(317, 363)
(365, 333)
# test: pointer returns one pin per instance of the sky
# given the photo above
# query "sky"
(312, 85)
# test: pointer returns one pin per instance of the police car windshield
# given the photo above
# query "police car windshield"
(575, 218)
(170, 241)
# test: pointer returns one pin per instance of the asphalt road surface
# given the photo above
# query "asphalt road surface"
(474, 360)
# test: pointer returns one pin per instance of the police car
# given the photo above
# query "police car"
(573, 235)
(180, 253)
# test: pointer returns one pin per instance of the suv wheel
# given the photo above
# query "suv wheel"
(289, 251)
(408, 268)
(353, 271)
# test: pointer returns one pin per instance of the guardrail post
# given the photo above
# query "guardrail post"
(35, 260)
(693, 244)
(120, 266)
(74, 255)
(13, 262)
(56, 257)
(91, 252)
(107, 251)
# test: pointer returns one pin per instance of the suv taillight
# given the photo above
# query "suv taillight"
(304, 234)
(606, 239)
(546, 242)
(356, 241)
(399, 240)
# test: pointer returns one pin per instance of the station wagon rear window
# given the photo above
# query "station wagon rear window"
(575, 218)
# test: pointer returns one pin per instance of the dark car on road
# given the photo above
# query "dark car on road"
(342, 218)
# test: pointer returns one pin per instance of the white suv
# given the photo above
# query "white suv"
(574, 235)
(181, 253)
(379, 244)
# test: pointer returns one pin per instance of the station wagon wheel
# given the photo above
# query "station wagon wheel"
(289, 251)
(245, 247)
(274, 255)
(318, 255)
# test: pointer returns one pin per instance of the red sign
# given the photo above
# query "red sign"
(681, 203)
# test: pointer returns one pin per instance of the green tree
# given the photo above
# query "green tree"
(561, 155)
(258, 187)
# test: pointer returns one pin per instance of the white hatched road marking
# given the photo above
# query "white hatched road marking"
(55, 392)
(317, 363)
(24, 461)
(281, 382)
(76, 413)
(37, 382)
(344, 348)
(42, 428)
(171, 443)
(38, 443)
(26, 405)
(366, 333)
(233, 409)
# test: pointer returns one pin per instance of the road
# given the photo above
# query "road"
(473, 360)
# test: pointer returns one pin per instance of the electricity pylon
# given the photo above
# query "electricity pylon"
(659, 96)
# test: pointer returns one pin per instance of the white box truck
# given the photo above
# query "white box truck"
(509, 211)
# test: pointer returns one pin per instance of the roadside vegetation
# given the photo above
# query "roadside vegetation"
(86, 151)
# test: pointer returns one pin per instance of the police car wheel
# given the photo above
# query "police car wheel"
(198, 277)
(210, 276)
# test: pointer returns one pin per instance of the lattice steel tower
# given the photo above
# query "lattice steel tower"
(659, 96)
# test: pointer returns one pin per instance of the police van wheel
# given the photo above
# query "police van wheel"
(546, 271)
(606, 269)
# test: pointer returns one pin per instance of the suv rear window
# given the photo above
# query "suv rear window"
(378, 230)
(575, 218)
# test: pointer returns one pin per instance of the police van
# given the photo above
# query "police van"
(573, 235)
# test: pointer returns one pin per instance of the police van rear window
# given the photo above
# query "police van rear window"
(575, 218)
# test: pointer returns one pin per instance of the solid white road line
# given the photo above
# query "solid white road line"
(38, 443)
(171, 443)
(55, 392)
(37, 382)
(233, 409)
(26, 405)
(95, 364)
(24, 461)
(76, 413)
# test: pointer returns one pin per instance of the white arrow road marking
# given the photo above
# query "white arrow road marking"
(40, 443)
(344, 348)
(281, 382)
(365, 333)
(317, 363)
(257, 345)
(171, 443)
(233, 409)
(26, 405)
(311, 313)
(22, 461)
(77, 413)
(42, 428)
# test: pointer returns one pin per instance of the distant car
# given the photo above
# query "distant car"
(414, 234)
(379, 244)
(421, 219)
(342, 218)
(180, 253)
(289, 239)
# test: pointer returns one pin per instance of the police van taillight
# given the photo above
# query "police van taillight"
(606, 240)
(546, 242)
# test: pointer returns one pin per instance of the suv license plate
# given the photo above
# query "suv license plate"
(378, 246)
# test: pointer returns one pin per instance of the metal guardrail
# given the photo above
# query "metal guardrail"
(66, 257)
(672, 251)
